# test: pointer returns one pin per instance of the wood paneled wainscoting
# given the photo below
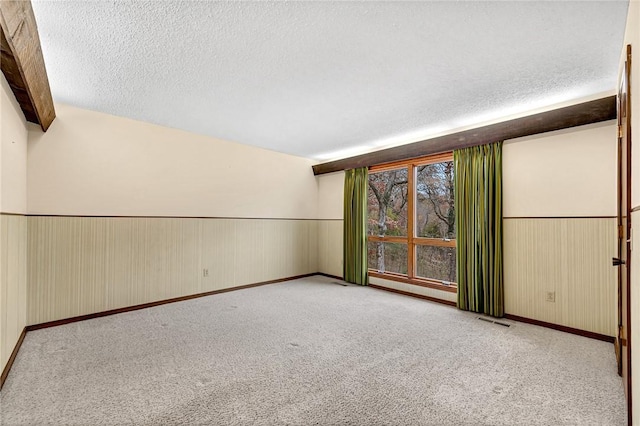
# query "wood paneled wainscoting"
(567, 260)
(13, 286)
(330, 247)
(83, 265)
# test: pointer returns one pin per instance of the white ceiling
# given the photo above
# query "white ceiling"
(326, 79)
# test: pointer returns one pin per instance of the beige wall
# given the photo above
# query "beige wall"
(330, 214)
(13, 155)
(245, 214)
(82, 265)
(13, 232)
(569, 172)
(330, 239)
(568, 257)
(330, 195)
(409, 288)
(13, 282)
(632, 36)
(95, 164)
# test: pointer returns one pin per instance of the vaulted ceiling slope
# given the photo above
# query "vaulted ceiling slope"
(326, 79)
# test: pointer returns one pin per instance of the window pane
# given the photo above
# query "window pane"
(387, 203)
(435, 214)
(438, 263)
(388, 257)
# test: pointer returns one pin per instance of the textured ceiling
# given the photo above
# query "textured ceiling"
(317, 78)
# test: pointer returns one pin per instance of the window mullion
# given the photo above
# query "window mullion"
(411, 219)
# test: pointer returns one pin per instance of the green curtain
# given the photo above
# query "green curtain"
(355, 226)
(478, 206)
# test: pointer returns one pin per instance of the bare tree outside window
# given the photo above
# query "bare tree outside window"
(435, 218)
(387, 216)
(435, 214)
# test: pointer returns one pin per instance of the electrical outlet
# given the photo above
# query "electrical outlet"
(550, 296)
(205, 272)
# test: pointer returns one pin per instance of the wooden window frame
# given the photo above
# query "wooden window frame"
(411, 240)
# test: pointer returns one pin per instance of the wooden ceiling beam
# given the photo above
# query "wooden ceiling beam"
(22, 63)
(575, 115)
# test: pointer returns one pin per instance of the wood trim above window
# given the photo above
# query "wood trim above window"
(419, 161)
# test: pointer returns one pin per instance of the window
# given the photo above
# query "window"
(411, 222)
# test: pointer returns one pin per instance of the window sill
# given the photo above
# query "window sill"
(413, 281)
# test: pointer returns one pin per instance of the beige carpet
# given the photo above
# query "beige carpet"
(310, 352)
